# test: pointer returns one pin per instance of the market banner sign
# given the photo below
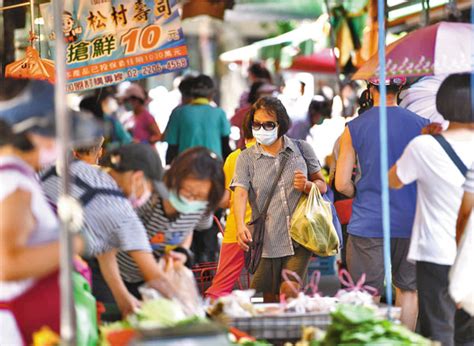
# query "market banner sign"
(110, 41)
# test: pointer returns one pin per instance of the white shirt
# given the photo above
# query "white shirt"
(46, 230)
(439, 184)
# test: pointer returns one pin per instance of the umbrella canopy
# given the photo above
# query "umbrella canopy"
(442, 48)
(323, 61)
(420, 98)
(32, 66)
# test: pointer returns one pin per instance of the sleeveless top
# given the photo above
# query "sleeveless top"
(46, 229)
(366, 219)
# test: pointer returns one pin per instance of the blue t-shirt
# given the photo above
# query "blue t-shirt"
(197, 125)
(366, 219)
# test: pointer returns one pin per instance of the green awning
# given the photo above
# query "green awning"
(296, 9)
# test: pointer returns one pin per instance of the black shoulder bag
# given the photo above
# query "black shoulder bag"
(257, 226)
(451, 153)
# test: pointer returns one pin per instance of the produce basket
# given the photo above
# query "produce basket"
(283, 326)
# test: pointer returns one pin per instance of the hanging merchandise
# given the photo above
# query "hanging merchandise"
(108, 42)
(31, 66)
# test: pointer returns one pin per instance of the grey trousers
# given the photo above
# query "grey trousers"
(438, 317)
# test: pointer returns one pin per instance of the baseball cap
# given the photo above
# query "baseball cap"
(138, 157)
(32, 109)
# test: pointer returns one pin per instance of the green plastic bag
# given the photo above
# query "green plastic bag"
(312, 227)
(86, 312)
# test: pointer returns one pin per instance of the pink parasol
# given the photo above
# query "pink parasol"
(320, 62)
(442, 48)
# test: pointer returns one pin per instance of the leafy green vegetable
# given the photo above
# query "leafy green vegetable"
(160, 312)
(358, 325)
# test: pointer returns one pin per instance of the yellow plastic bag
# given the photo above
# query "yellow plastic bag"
(312, 227)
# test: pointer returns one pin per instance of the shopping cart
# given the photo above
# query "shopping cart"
(205, 272)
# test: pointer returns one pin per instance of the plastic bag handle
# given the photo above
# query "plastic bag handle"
(285, 273)
(314, 283)
(346, 279)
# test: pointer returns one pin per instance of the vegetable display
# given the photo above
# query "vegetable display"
(359, 325)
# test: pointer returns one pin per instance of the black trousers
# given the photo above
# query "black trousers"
(438, 318)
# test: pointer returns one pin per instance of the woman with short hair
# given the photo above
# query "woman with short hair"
(170, 210)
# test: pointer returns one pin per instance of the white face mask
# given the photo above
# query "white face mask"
(265, 137)
(138, 202)
(48, 156)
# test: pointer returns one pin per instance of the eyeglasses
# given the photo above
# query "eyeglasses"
(267, 125)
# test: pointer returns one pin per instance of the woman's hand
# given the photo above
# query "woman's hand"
(299, 181)
(128, 304)
(432, 129)
(244, 237)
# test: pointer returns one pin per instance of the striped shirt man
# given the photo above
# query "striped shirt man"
(162, 232)
(110, 221)
(256, 171)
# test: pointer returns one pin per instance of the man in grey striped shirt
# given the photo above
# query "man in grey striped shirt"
(111, 224)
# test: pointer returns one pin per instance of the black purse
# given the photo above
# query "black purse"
(257, 225)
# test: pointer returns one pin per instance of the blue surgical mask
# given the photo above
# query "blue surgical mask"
(185, 206)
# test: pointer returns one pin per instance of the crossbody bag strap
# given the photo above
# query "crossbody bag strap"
(283, 162)
(451, 153)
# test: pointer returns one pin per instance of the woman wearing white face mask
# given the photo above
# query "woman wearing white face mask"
(170, 211)
(255, 173)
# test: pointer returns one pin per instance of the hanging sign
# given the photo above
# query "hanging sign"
(110, 41)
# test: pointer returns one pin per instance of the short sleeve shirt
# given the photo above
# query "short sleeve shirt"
(110, 221)
(162, 232)
(230, 234)
(197, 125)
(143, 123)
(440, 190)
(256, 171)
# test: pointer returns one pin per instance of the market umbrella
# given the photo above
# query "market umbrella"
(31, 66)
(420, 98)
(442, 48)
(323, 61)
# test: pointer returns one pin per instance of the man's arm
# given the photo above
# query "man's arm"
(111, 273)
(155, 132)
(147, 264)
(226, 150)
(393, 180)
(464, 214)
(345, 165)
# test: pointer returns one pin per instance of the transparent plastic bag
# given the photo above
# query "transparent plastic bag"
(312, 226)
(178, 284)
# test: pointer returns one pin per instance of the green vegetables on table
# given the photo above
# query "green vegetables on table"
(358, 325)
